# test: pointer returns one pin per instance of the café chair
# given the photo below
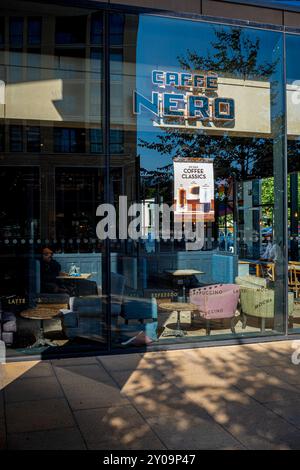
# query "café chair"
(257, 300)
(266, 270)
(293, 281)
(216, 302)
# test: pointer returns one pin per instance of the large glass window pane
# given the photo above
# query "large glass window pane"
(2, 31)
(34, 31)
(70, 29)
(96, 60)
(16, 25)
(33, 69)
(293, 181)
(2, 138)
(117, 29)
(16, 138)
(15, 71)
(96, 29)
(69, 140)
(96, 141)
(52, 176)
(78, 193)
(33, 139)
(116, 141)
(203, 255)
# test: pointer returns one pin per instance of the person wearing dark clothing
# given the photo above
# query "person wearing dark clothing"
(50, 269)
(50, 284)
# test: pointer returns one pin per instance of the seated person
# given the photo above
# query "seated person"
(50, 269)
(272, 251)
(50, 284)
(266, 253)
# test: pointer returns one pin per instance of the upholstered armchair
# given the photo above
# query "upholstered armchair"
(216, 302)
(2, 352)
(257, 300)
(8, 325)
(85, 317)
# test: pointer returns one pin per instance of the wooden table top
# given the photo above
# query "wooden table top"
(75, 278)
(255, 261)
(43, 311)
(294, 266)
(181, 306)
(184, 272)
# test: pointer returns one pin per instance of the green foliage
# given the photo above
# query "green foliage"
(267, 191)
(234, 53)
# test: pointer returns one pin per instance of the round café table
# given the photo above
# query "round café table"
(177, 307)
(42, 312)
(181, 275)
(74, 281)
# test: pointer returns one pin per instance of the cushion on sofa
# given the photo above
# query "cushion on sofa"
(140, 309)
(9, 322)
(55, 298)
(251, 281)
(8, 338)
(90, 305)
(10, 326)
(70, 320)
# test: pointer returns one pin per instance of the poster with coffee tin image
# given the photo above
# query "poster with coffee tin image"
(193, 190)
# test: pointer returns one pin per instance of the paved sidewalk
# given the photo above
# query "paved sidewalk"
(232, 397)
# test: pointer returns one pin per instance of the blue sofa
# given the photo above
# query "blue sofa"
(139, 314)
(86, 315)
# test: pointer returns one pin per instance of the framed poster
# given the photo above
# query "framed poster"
(193, 190)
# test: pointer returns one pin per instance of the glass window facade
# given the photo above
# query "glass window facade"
(209, 131)
(293, 164)
(149, 181)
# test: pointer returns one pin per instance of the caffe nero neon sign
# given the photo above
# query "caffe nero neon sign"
(189, 97)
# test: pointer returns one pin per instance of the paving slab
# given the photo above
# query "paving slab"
(121, 362)
(289, 410)
(89, 386)
(267, 388)
(289, 374)
(41, 369)
(195, 434)
(70, 361)
(15, 370)
(229, 397)
(38, 415)
(32, 389)
(55, 439)
(81, 374)
(138, 381)
(122, 427)
(255, 426)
